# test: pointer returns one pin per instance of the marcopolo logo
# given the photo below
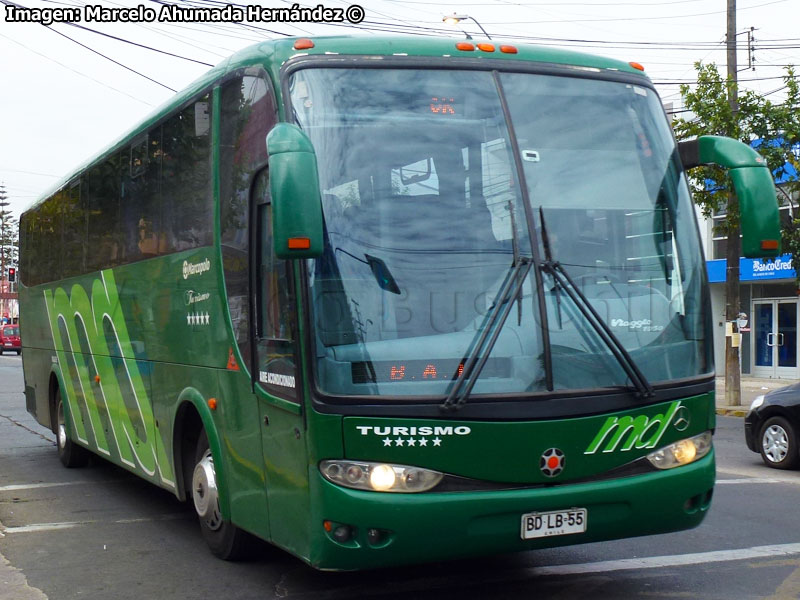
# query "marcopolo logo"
(190, 269)
(626, 433)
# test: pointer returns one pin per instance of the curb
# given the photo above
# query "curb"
(732, 412)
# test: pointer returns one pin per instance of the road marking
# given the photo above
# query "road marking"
(677, 560)
(44, 527)
(748, 480)
(531, 573)
(39, 527)
(34, 486)
(759, 472)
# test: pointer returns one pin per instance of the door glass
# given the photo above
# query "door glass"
(763, 334)
(275, 346)
(787, 334)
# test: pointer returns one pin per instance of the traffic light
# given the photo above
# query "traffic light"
(12, 274)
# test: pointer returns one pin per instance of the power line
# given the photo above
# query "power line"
(116, 62)
(114, 37)
(89, 77)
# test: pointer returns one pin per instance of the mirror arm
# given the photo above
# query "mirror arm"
(689, 152)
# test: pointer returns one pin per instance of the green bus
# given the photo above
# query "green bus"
(382, 301)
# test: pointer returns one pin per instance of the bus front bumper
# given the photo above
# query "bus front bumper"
(389, 529)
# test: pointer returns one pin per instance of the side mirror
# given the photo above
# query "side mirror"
(294, 187)
(754, 187)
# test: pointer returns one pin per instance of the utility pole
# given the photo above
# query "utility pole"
(733, 392)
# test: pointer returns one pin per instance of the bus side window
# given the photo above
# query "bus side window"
(275, 346)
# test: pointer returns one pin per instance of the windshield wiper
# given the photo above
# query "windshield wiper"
(493, 323)
(564, 282)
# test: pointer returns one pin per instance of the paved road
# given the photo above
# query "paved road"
(100, 533)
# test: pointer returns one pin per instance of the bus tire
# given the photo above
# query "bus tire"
(71, 454)
(225, 540)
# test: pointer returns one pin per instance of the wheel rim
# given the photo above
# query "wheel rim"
(61, 432)
(204, 492)
(775, 443)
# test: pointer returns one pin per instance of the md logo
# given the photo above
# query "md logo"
(626, 433)
(107, 396)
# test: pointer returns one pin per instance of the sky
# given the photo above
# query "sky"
(68, 90)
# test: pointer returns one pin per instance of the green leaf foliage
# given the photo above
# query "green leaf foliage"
(777, 125)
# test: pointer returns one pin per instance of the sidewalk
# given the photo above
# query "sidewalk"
(751, 387)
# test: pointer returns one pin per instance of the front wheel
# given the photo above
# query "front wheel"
(778, 444)
(70, 454)
(225, 540)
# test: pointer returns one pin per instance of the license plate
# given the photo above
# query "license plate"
(558, 522)
(9, 344)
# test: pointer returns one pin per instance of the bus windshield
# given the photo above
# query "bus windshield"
(425, 177)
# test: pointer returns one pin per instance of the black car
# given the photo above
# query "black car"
(772, 425)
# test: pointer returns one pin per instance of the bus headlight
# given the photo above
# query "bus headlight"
(681, 452)
(379, 477)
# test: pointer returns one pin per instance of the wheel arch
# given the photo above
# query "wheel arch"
(773, 410)
(193, 415)
(55, 384)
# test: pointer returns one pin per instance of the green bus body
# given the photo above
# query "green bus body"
(145, 355)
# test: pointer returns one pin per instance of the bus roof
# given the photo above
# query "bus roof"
(273, 54)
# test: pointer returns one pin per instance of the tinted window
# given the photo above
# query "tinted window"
(101, 184)
(276, 325)
(140, 204)
(150, 198)
(187, 218)
(73, 215)
(248, 113)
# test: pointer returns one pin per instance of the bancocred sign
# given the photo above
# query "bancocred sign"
(777, 265)
(753, 269)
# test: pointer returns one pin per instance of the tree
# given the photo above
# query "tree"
(774, 130)
(9, 243)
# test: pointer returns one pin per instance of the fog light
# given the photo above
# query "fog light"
(374, 536)
(342, 533)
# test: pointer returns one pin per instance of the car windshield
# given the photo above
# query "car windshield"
(8, 331)
(424, 217)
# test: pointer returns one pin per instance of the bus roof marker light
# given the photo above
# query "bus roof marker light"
(636, 65)
(303, 44)
(508, 49)
(486, 47)
(465, 46)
